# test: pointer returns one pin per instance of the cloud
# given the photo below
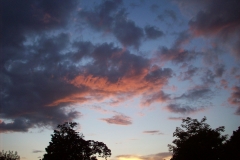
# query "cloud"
(32, 80)
(234, 99)
(208, 77)
(155, 97)
(196, 94)
(41, 84)
(108, 16)
(18, 125)
(20, 18)
(27, 85)
(100, 109)
(194, 100)
(176, 53)
(176, 118)
(183, 109)
(37, 151)
(153, 132)
(221, 21)
(103, 17)
(154, 7)
(127, 32)
(187, 75)
(167, 14)
(220, 18)
(219, 70)
(118, 120)
(158, 156)
(153, 32)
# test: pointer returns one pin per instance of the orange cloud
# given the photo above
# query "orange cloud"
(132, 84)
(158, 156)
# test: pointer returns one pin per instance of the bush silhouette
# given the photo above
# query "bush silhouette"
(9, 155)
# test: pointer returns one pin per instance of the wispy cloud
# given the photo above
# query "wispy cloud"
(176, 118)
(234, 99)
(158, 156)
(118, 120)
(37, 151)
(153, 132)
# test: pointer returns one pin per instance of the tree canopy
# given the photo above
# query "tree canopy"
(9, 155)
(67, 144)
(231, 147)
(197, 140)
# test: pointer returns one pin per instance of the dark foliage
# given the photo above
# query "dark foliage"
(9, 155)
(67, 144)
(232, 146)
(196, 140)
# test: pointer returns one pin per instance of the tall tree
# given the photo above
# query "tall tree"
(9, 155)
(197, 140)
(67, 144)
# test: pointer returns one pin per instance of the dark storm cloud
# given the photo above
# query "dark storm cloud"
(30, 16)
(217, 18)
(234, 99)
(153, 32)
(118, 120)
(31, 65)
(18, 125)
(219, 15)
(37, 89)
(108, 16)
(113, 62)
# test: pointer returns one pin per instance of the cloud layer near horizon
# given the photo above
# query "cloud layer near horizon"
(46, 69)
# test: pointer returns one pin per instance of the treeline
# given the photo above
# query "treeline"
(195, 140)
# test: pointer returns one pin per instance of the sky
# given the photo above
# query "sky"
(127, 71)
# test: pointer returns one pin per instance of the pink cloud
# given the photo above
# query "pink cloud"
(234, 99)
(158, 156)
(118, 120)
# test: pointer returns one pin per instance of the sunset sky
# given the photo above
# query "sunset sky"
(127, 71)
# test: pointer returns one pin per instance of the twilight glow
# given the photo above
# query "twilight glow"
(127, 71)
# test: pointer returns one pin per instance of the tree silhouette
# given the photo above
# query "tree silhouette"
(196, 140)
(231, 147)
(67, 144)
(9, 155)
